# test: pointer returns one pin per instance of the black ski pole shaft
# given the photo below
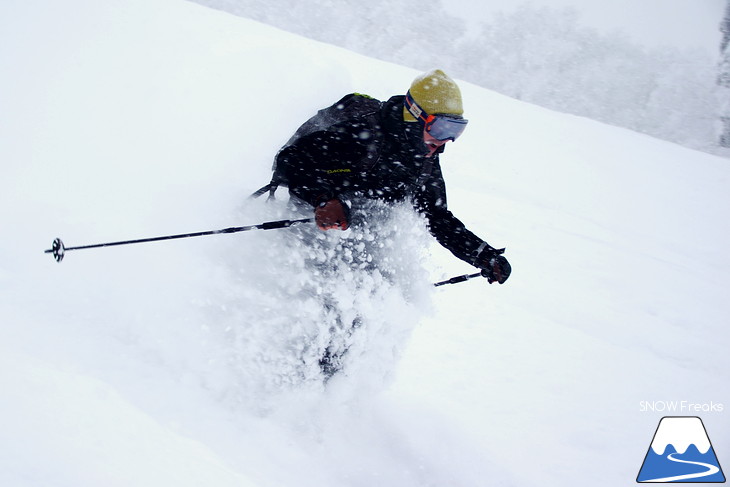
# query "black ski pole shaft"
(458, 279)
(58, 249)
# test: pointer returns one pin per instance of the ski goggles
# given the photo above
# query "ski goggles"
(440, 127)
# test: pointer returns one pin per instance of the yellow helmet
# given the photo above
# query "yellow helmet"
(436, 93)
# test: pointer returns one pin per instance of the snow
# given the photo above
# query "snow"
(178, 362)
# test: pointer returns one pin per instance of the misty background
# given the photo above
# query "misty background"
(557, 56)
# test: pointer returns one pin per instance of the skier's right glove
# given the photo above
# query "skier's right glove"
(493, 265)
(332, 214)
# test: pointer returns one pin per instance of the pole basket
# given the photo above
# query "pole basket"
(58, 250)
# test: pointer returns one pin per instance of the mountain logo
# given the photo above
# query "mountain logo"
(681, 452)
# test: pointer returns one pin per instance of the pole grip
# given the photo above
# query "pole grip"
(278, 224)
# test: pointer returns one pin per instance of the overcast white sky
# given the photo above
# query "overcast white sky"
(682, 23)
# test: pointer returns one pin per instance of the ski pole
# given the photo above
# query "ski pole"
(458, 279)
(58, 249)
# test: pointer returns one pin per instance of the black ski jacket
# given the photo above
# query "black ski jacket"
(377, 156)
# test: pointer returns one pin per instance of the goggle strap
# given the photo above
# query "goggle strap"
(415, 110)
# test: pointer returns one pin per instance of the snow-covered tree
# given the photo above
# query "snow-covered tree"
(723, 78)
(546, 56)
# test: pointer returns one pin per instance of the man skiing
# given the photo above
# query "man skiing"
(391, 153)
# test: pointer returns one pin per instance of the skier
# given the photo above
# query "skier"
(390, 153)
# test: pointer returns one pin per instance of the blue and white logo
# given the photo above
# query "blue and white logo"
(681, 452)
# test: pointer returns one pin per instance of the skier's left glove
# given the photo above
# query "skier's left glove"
(493, 264)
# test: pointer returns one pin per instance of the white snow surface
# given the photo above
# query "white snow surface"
(193, 362)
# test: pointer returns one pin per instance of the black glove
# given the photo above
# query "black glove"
(493, 265)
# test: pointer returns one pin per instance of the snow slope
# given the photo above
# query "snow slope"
(166, 363)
